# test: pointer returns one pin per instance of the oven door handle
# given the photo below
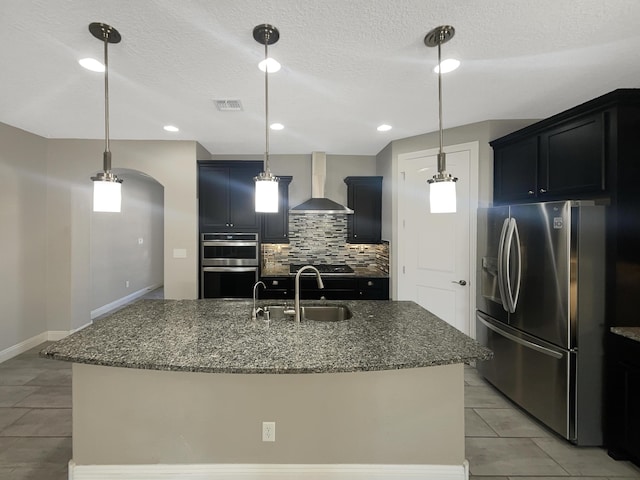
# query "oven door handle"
(213, 243)
(229, 269)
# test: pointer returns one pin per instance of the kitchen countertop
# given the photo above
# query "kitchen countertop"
(283, 271)
(629, 332)
(218, 336)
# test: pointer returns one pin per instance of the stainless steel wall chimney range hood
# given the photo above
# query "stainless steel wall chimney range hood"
(318, 203)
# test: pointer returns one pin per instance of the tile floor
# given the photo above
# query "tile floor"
(502, 443)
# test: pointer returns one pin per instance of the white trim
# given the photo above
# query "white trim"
(268, 471)
(22, 347)
(123, 301)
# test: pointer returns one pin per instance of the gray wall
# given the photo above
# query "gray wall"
(117, 256)
(23, 226)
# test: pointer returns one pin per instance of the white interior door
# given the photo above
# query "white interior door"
(434, 249)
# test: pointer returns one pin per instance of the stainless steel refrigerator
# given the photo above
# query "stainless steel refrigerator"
(540, 308)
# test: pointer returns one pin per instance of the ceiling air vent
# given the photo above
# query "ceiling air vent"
(228, 105)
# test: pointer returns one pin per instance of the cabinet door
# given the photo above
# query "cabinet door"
(242, 212)
(573, 158)
(516, 171)
(365, 198)
(213, 192)
(275, 226)
(277, 288)
(373, 288)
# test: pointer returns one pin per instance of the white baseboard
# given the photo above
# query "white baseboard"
(122, 301)
(22, 347)
(267, 471)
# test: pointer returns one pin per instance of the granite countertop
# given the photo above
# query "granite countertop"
(283, 271)
(630, 332)
(218, 336)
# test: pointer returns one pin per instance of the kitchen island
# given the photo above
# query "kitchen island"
(182, 387)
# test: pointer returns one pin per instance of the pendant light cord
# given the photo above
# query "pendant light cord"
(440, 90)
(266, 104)
(107, 152)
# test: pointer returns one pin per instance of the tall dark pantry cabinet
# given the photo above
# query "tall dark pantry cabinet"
(592, 152)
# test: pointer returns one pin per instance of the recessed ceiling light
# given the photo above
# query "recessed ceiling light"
(171, 128)
(92, 64)
(272, 64)
(448, 65)
(276, 126)
(384, 127)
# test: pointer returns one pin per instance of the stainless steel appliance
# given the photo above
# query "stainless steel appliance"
(540, 308)
(229, 264)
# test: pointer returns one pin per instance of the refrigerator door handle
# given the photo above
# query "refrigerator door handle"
(525, 343)
(501, 285)
(507, 267)
(513, 295)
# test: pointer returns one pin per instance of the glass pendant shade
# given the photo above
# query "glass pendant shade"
(106, 196)
(267, 195)
(442, 197)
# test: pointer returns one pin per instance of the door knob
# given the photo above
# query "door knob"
(460, 282)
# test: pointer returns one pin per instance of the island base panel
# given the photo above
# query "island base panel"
(124, 416)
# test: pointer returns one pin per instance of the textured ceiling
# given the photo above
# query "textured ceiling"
(348, 66)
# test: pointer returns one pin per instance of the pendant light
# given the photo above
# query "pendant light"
(106, 185)
(266, 183)
(442, 187)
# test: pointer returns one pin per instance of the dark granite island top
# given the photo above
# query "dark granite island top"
(218, 336)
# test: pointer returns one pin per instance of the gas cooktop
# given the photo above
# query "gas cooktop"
(323, 268)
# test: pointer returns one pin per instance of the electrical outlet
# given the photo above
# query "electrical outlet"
(268, 431)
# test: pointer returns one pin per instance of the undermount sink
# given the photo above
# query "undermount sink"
(318, 313)
(325, 313)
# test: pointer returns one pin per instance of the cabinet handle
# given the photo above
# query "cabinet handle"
(354, 235)
(231, 224)
(285, 234)
(369, 283)
(542, 190)
(530, 192)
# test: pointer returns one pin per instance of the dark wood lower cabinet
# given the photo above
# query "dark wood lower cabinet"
(335, 288)
(622, 432)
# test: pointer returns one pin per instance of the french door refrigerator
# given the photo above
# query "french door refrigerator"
(540, 308)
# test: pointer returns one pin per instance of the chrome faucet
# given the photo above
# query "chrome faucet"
(254, 312)
(297, 294)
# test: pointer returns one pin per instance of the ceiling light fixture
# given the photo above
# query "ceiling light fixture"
(266, 183)
(384, 128)
(171, 128)
(91, 64)
(442, 191)
(448, 65)
(271, 63)
(277, 126)
(106, 186)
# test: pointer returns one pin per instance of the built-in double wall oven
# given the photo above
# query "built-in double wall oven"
(229, 264)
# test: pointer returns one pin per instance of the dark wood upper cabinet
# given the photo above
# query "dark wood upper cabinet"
(364, 196)
(573, 157)
(516, 170)
(275, 226)
(226, 194)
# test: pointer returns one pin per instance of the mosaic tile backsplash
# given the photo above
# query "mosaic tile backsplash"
(322, 238)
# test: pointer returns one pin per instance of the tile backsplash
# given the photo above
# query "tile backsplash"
(322, 238)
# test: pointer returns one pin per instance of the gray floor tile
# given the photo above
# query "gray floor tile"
(10, 395)
(5, 473)
(475, 426)
(36, 452)
(584, 461)
(37, 473)
(510, 422)
(484, 396)
(19, 376)
(47, 397)
(52, 377)
(555, 478)
(10, 415)
(41, 422)
(472, 377)
(473, 477)
(34, 362)
(509, 456)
